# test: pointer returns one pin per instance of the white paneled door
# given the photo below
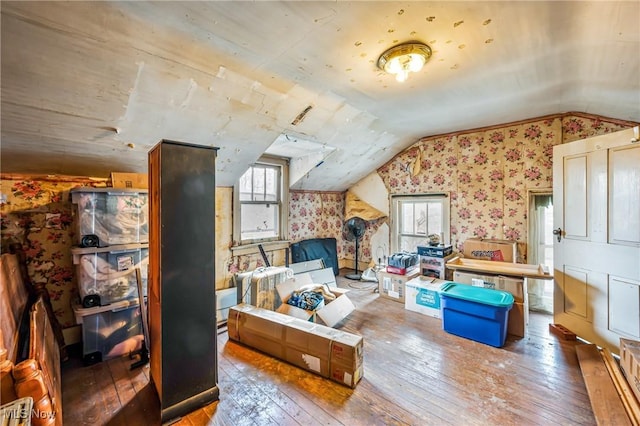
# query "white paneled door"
(596, 192)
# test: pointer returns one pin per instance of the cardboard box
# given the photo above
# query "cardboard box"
(435, 251)
(630, 363)
(498, 250)
(435, 266)
(329, 312)
(391, 286)
(130, 180)
(422, 296)
(324, 276)
(330, 353)
(516, 286)
(518, 320)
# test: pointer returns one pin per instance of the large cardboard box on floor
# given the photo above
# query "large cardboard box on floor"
(630, 363)
(330, 312)
(331, 353)
(498, 250)
(392, 286)
(422, 296)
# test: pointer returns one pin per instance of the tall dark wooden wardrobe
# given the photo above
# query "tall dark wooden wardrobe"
(181, 281)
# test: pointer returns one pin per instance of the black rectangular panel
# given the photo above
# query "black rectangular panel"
(186, 276)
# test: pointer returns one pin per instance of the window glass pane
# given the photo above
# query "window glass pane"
(271, 184)
(406, 222)
(417, 217)
(259, 221)
(435, 218)
(245, 185)
(411, 244)
(420, 218)
(258, 183)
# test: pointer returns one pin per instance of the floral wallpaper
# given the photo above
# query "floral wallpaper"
(321, 215)
(489, 172)
(38, 215)
(316, 215)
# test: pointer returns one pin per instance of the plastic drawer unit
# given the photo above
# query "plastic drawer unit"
(476, 313)
(110, 331)
(109, 216)
(108, 274)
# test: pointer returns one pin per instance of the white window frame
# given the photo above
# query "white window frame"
(243, 247)
(396, 216)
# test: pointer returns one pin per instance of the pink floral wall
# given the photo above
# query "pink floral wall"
(38, 214)
(489, 172)
(321, 215)
(316, 215)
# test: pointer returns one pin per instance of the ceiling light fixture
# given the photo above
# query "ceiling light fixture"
(404, 58)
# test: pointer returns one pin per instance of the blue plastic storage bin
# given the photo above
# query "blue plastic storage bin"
(476, 313)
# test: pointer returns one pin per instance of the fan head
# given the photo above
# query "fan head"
(354, 228)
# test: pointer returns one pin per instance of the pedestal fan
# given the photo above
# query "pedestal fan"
(354, 230)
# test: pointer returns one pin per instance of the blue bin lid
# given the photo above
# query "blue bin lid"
(482, 295)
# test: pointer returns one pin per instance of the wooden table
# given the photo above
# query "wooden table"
(499, 268)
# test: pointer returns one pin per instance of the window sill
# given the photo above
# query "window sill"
(249, 249)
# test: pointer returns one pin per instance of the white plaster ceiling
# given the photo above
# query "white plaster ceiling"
(90, 87)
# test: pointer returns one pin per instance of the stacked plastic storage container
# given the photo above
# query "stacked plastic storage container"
(112, 243)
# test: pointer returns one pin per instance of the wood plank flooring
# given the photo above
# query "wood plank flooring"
(414, 374)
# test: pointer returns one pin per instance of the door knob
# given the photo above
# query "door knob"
(558, 233)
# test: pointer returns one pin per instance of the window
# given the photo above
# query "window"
(259, 197)
(416, 217)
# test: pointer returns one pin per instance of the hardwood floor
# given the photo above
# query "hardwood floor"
(414, 373)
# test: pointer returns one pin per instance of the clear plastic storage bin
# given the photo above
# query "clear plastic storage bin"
(108, 274)
(110, 331)
(109, 216)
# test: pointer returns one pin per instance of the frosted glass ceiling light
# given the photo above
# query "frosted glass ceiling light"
(404, 58)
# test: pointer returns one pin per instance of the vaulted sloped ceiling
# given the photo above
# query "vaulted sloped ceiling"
(90, 87)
